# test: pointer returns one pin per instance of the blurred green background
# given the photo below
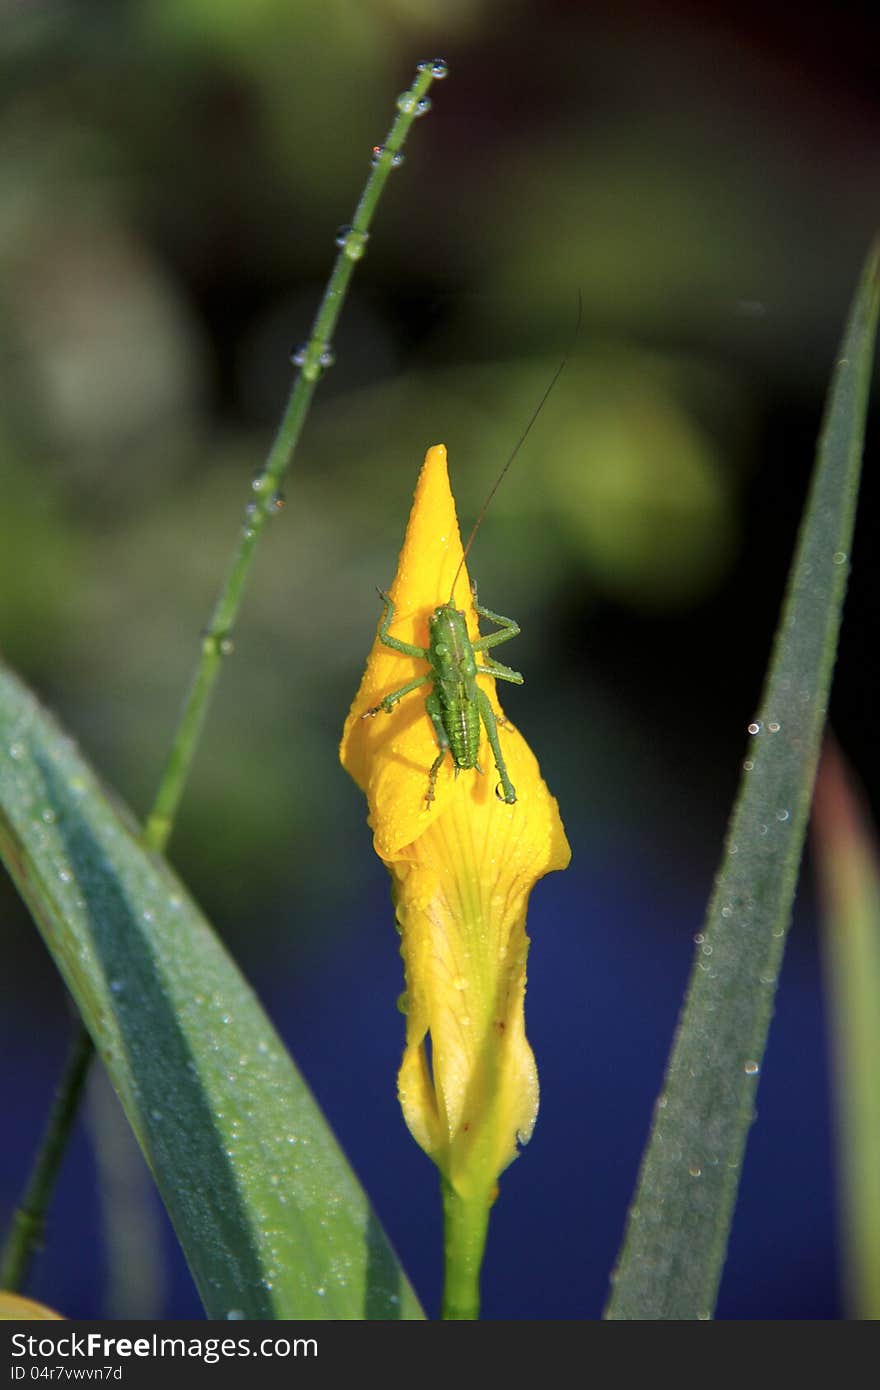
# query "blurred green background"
(171, 177)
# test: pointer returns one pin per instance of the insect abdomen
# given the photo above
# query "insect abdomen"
(454, 667)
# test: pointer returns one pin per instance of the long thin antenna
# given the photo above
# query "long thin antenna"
(520, 442)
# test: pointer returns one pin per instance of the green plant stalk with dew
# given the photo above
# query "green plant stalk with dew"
(315, 356)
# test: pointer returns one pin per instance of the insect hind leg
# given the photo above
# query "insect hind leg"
(505, 791)
(435, 713)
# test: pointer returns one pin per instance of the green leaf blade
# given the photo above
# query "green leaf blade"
(271, 1219)
(673, 1251)
(847, 856)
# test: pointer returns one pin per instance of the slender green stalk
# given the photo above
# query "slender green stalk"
(26, 1230)
(266, 501)
(312, 359)
(465, 1224)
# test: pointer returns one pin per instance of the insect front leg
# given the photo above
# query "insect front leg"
(405, 648)
(505, 791)
(509, 628)
(435, 713)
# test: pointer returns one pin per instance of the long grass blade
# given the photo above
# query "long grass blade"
(848, 860)
(270, 1217)
(674, 1246)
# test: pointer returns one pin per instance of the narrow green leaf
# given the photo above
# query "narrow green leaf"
(673, 1251)
(270, 1217)
(848, 860)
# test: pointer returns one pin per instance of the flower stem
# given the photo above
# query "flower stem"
(465, 1225)
(312, 359)
(29, 1218)
(265, 502)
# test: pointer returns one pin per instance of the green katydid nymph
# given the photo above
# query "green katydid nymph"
(455, 704)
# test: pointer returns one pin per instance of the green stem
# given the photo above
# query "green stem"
(29, 1219)
(312, 359)
(465, 1224)
(266, 501)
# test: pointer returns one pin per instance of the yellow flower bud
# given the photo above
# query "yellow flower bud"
(462, 869)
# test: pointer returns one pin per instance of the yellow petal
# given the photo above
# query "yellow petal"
(14, 1308)
(462, 871)
(389, 756)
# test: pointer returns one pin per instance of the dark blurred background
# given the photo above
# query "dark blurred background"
(172, 173)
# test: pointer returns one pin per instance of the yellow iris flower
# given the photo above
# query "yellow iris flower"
(462, 870)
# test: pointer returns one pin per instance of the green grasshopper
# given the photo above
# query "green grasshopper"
(456, 705)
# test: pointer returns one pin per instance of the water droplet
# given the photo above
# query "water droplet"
(755, 726)
(703, 1316)
(782, 815)
(65, 876)
(406, 103)
(727, 910)
(734, 849)
(149, 915)
(762, 830)
(298, 355)
(48, 816)
(156, 1115)
(117, 986)
(695, 1170)
(751, 1068)
(699, 938)
(748, 765)
(435, 66)
(235, 1315)
(352, 242)
(320, 1291)
(328, 356)
(16, 751)
(226, 646)
(774, 726)
(706, 950)
(423, 106)
(379, 151)
(839, 557)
